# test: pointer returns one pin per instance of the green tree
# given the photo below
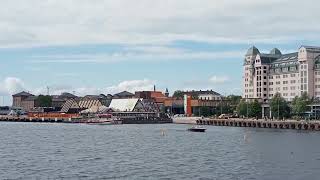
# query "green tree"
(178, 94)
(279, 107)
(255, 109)
(300, 104)
(234, 101)
(242, 108)
(44, 101)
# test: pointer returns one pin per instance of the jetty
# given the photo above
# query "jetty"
(274, 124)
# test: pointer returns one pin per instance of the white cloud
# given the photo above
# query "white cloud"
(11, 85)
(155, 22)
(219, 79)
(130, 85)
(137, 54)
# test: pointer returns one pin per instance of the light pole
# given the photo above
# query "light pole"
(247, 110)
(278, 110)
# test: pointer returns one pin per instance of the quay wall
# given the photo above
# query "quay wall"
(288, 124)
(137, 120)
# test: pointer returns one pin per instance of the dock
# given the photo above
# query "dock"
(271, 124)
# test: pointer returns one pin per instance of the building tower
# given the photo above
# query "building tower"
(166, 93)
(249, 72)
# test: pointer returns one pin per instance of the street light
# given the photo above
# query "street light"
(278, 110)
(247, 110)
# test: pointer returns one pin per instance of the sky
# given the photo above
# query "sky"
(107, 46)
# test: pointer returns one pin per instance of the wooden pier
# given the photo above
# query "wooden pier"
(288, 124)
(33, 119)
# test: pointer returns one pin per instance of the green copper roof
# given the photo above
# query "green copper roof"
(275, 51)
(252, 51)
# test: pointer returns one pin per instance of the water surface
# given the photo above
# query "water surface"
(73, 151)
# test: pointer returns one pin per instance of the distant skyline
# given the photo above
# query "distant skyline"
(93, 46)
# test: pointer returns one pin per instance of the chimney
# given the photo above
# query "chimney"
(154, 88)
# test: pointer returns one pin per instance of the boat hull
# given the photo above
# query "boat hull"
(196, 130)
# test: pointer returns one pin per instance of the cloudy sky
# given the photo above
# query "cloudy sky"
(105, 46)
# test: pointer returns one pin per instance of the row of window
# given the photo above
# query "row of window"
(284, 94)
(284, 88)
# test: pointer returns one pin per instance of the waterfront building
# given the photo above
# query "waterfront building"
(207, 101)
(24, 100)
(127, 105)
(209, 95)
(265, 74)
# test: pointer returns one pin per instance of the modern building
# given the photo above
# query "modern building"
(204, 95)
(265, 74)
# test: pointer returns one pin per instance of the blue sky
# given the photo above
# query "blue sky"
(91, 46)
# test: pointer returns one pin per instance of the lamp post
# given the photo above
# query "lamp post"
(278, 110)
(247, 110)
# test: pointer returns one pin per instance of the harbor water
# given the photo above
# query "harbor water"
(162, 151)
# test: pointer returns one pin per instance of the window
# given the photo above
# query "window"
(293, 81)
(292, 88)
(278, 82)
(270, 83)
(293, 75)
(285, 88)
(292, 69)
(285, 82)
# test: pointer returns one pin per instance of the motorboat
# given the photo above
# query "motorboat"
(197, 129)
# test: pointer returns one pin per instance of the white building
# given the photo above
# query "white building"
(209, 95)
(264, 75)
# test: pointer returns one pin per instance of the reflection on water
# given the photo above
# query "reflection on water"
(30, 151)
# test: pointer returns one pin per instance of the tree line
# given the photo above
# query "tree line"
(279, 107)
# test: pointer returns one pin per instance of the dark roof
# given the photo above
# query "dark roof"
(252, 51)
(31, 98)
(317, 60)
(67, 95)
(100, 96)
(275, 51)
(311, 47)
(23, 93)
(124, 94)
(203, 92)
(269, 58)
(287, 58)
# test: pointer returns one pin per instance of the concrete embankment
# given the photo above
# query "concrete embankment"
(186, 120)
(288, 124)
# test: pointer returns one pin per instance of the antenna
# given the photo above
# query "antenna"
(48, 90)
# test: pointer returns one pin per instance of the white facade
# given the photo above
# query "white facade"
(208, 96)
(264, 75)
